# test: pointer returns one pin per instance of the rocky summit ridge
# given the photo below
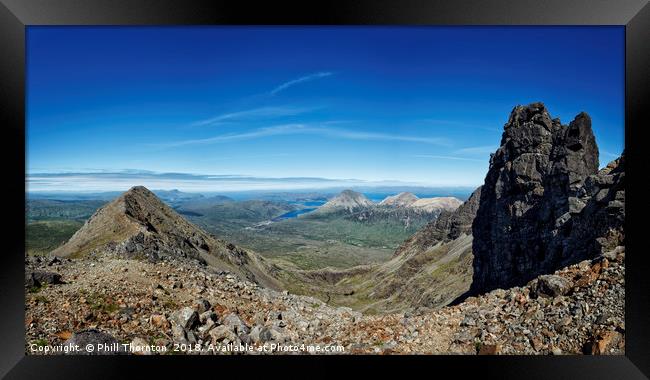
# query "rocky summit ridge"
(431, 205)
(403, 199)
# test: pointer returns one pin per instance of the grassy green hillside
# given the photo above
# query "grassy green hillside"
(45, 236)
(50, 223)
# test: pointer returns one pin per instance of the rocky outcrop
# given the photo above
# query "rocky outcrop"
(448, 226)
(36, 279)
(598, 211)
(544, 204)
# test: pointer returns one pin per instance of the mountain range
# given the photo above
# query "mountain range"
(352, 201)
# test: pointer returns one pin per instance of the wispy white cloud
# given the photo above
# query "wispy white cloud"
(247, 157)
(459, 124)
(609, 154)
(486, 149)
(265, 112)
(120, 180)
(295, 129)
(355, 135)
(448, 157)
(606, 157)
(254, 134)
(303, 79)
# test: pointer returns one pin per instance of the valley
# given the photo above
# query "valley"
(287, 230)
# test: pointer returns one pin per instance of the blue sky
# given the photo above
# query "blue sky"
(110, 107)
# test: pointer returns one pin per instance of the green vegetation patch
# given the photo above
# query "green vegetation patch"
(101, 303)
(45, 236)
(51, 209)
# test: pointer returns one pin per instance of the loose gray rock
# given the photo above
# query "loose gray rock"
(186, 318)
(201, 306)
(552, 286)
(272, 334)
(223, 333)
(54, 261)
(179, 334)
(237, 324)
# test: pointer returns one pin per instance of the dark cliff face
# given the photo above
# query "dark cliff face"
(543, 204)
(451, 224)
(448, 226)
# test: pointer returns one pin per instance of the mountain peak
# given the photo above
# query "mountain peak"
(522, 114)
(402, 199)
(137, 224)
(410, 200)
(138, 191)
(350, 193)
(436, 204)
(348, 200)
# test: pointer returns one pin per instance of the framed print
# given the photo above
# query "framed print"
(443, 184)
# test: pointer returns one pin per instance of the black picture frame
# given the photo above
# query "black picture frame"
(15, 15)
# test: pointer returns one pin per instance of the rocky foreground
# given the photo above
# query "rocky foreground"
(175, 307)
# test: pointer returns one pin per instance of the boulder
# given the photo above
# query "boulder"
(208, 316)
(94, 342)
(186, 318)
(179, 334)
(272, 334)
(223, 333)
(204, 329)
(40, 278)
(54, 261)
(552, 286)
(234, 322)
(603, 342)
(255, 334)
